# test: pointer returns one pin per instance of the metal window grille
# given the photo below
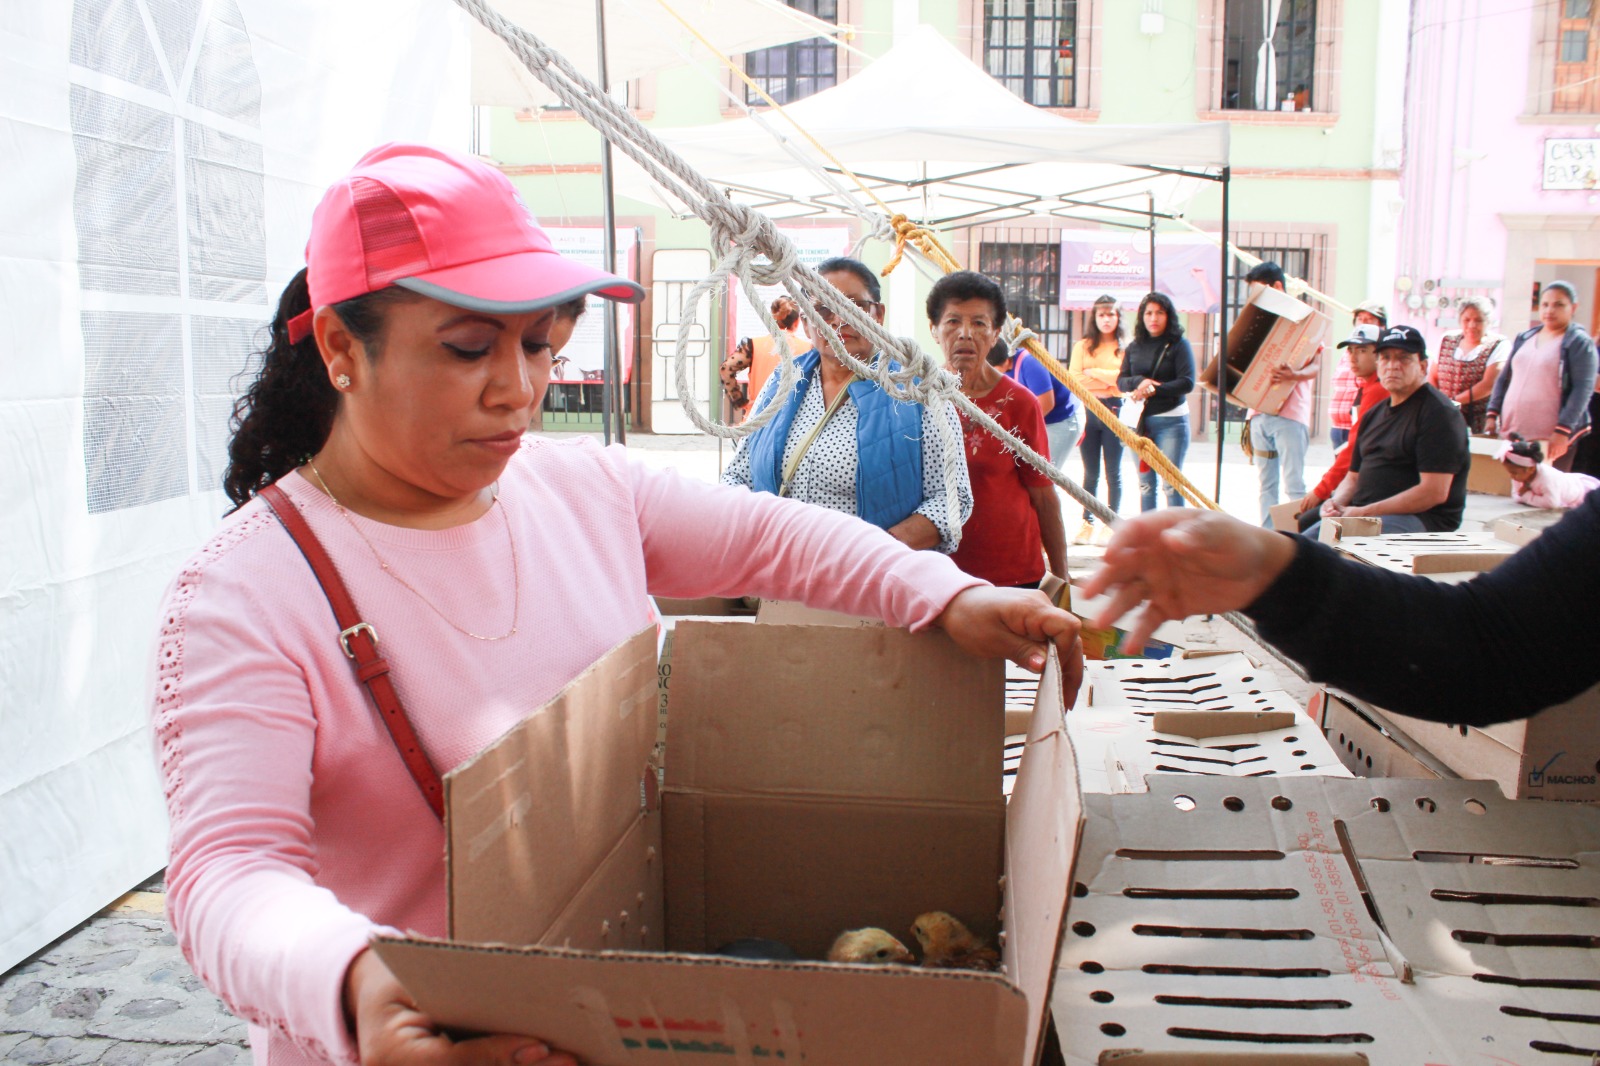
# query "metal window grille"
(790, 72)
(1294, 40)
(1031, 46)
(1302, 255)
(1029, 273)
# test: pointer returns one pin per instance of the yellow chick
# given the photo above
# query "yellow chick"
(875, 947)
(948, 944)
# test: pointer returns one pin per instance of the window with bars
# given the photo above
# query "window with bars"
(1031, 46)
(790, 72)
(1268, 64)
(1029, 273)
(1576, 86)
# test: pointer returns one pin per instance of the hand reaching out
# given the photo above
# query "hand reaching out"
(1016, 624)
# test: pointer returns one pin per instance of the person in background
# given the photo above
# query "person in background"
(1016, 513)
(1469, 360)
(1345, 389)
(843, 443)
(1280, 440)
(561, 327)
(389, 414)
(1158, 371)
(1410, 463)
(754, 359)
(1098, 358)
(1445, 652)
(1543, 391)
(1537, 484)
(1063, 420)
(1363, 361)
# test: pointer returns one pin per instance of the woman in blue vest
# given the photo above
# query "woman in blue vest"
(843, 443)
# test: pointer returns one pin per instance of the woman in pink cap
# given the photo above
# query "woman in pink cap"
(387, 426)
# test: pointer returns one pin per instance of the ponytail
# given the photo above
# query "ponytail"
(284, 417)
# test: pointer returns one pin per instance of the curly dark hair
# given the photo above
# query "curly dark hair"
(843, 264)
(966, 285)
(1528, 449)
(1174, 330)
(285, 415)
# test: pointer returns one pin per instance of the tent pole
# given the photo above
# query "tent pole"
(1222, 339)
(1150, 200)
(612, 383)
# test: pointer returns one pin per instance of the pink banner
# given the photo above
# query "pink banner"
(1097, 263)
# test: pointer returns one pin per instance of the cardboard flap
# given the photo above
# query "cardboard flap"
(567, 781)
(1276, 302)
(756, 710)
(1043, 821)
(621, 1009)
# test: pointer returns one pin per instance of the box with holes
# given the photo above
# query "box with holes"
(1217, 683)
(1322, 920)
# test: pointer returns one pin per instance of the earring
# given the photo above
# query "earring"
(342, 381)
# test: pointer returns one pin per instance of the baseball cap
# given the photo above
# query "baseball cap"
(1366, 333)
(1374, 308)
(1406, 338)
(444, 225)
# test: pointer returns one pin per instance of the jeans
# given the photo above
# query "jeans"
(1392, 523)
(1337, 437)
(1063, 436)
(1274, 433)
(1098, 440)
(1170, 433)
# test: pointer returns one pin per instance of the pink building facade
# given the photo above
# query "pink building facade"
(1500, 181)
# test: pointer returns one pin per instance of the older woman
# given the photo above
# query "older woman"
(1158, 371)
(1543, 392)
(387, 427)
(843, 443)
(1469, 361)
(1016, 514)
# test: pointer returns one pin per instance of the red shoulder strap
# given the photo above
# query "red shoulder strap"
(360, 644)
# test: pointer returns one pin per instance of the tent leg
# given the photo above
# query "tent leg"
(1222, 339)
(611, 384)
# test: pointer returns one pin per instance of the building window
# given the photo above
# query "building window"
(790, 72)
(1029, 272)
(1030, 47)
(1576, 87)
(1269, 52)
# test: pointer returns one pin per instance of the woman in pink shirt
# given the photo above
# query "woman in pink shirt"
(1543, 392)
(404, 366)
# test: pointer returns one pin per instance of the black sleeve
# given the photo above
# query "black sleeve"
(1181, 360)
(1499, 647)
(1127, 380)
(1441, 440)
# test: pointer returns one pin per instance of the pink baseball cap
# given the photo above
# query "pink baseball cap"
(443, 225)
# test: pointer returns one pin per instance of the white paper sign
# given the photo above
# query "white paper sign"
(583, 359)
(1572, 163)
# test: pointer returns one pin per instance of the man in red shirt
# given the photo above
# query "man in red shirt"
(1016, 514)
(1363, 345)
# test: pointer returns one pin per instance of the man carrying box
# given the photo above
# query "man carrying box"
(1279, 441)
(1410, 460)
(1363, 365)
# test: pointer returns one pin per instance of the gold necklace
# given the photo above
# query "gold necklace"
(516, 572)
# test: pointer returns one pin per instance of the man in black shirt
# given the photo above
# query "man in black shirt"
(1411, 459)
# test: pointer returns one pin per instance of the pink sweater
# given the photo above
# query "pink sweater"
(1552, 488)
(296, 830)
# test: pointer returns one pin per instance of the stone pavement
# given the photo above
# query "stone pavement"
(116, 992)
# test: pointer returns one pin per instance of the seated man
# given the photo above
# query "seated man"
(1410, 462)
(1369, 392)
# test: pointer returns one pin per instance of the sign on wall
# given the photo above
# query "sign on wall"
(583, 360)
(814, 244)
(1572, 163)
(1116, 263)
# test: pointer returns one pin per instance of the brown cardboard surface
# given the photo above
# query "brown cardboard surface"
(1521, 527)
(1487, 474)
(788, 613)
(1334, 530)
(1365, 747)
(1284, 516)
(705, 605)
(1407, 921)
(1272, 329)
(1428, 553)
(1217, 683)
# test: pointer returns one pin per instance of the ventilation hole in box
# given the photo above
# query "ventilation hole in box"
(1298, 753)
(1360, 755)
(1511, 899)
(1551, 1016)
(1341, 738)
(1523, 940)
(1233, 803)
(1474, 806)
(1183, 803)
(1222, 932)
(1211, 893)
(1254, 692)
(1243, 1003)
(1369, 762)
(1282, 803)
(1350, 746)
(1380, 805)
(1102, 997)
(1462, 729)
(1113, 1029)
(1308, 766)
(1576, 984)
(1426, 805)
(1083, 928)
(1197, 855)
(1496, 860)
(1185, 1032)
(1552, 1048)
(1247, 679)
(1091, 967)
(1079, 889)
(1291, 740)
(1174, 970)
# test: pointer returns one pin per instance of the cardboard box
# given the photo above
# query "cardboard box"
(1324, 920)
(1555, 755)
(1521, 527)
(1365, 746)
(1272, 329)
(1285, 516)
(789, 613)
(1487, 474)
(858, 788)
(1429, 553)
(1333, 530)
(706, 606)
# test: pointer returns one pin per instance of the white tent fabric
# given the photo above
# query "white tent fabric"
(163, 160)
(642, 37)
(940, 140)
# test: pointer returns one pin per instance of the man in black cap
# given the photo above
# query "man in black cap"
(1411, 458)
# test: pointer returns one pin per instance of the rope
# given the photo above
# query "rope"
(1295, 287)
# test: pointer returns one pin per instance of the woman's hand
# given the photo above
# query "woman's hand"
(1559, 443)
(390, 1030)
(1015, 624)
(1180, 562)
(1142, 391)
(1491, 422)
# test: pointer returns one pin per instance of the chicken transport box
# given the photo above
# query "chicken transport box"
(1273, 329)
(816, 779)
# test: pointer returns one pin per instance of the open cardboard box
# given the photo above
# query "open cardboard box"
(1367, 747)
(857, 785)
(1429, 553)
(1522, 527)
(1487, 474)
(1272, 329)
